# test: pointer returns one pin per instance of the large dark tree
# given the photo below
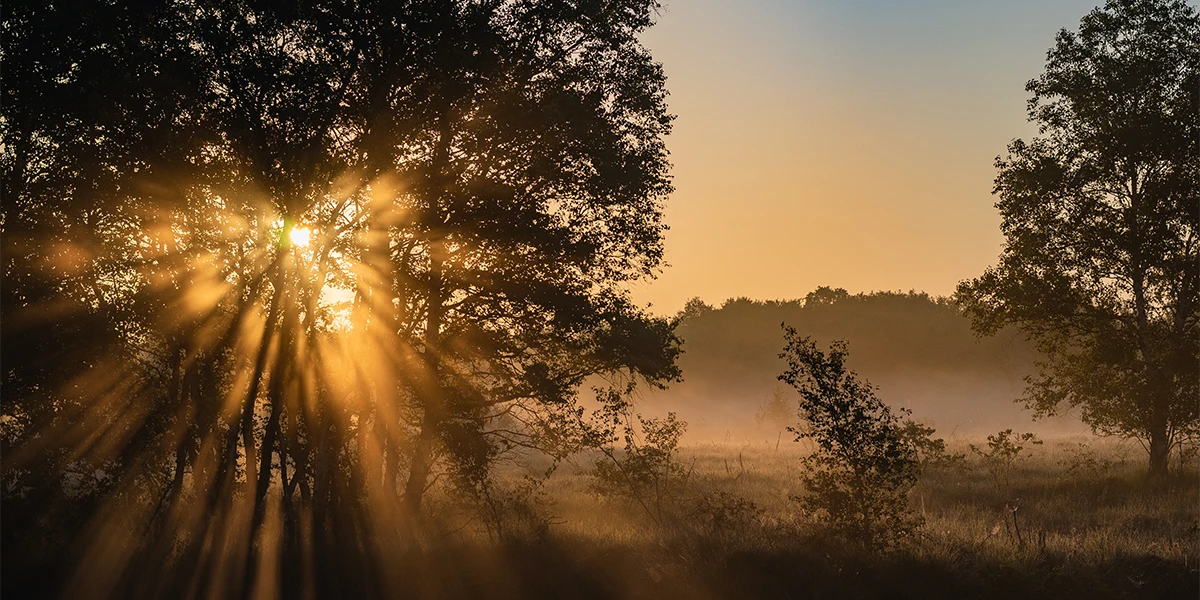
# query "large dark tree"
(1101, 212)
(269, 268)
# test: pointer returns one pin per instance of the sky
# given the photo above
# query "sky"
(846, 143)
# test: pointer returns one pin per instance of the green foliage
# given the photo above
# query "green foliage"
(858, 478)
(1100, 219)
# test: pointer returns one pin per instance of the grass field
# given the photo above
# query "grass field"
(1076, 518)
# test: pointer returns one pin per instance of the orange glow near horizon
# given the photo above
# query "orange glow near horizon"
(844, 144)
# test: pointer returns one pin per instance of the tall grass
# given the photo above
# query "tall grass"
(1077, 518)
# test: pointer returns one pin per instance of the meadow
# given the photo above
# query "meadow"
(1073, 517)
(300, 299)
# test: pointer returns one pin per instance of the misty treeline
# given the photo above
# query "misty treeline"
(273, 270)
(888, 330)
(918, 349)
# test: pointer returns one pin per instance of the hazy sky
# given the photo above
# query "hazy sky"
(843, 143)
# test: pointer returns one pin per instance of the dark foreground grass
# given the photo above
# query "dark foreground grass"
(1087, 524)
(1074, 518)
(798, 567)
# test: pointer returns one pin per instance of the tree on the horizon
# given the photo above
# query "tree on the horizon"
(825, 296)
(1101, 213)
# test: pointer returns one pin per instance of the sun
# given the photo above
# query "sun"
(299, 236)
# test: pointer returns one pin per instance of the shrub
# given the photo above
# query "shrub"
(722, 513)
(858, 478)
(1004, 448)
(646, 471)
(1083, 464)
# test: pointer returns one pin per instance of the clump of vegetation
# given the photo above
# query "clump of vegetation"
(1083, 462)
(722, 513)
(510, 510)
(1003, 450)
(646, 470)
(858, 478)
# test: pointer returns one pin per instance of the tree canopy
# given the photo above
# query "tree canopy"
(284, 257)
(1100, 213)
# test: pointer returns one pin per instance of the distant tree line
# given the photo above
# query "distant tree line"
(731, 350)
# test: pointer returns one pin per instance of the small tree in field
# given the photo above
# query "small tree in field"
(858, 478)
(647, 471)
(1004, 448)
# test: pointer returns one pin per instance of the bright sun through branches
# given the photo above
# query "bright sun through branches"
(299, 236)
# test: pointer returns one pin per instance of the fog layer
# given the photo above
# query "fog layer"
(918, 351)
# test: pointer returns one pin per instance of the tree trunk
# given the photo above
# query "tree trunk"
(418, 473)
(430, 390)
(1156, 392)
(1160, 451)
(1160, 442)
(422, 460)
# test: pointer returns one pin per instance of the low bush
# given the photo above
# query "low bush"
(857, 480)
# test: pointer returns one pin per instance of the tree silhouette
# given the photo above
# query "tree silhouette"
(269, 267)
(857, 479)
(1100, 213)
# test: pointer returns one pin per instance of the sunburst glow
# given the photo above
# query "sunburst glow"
(300, 236)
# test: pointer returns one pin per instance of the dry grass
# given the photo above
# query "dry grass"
(1088, 522)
